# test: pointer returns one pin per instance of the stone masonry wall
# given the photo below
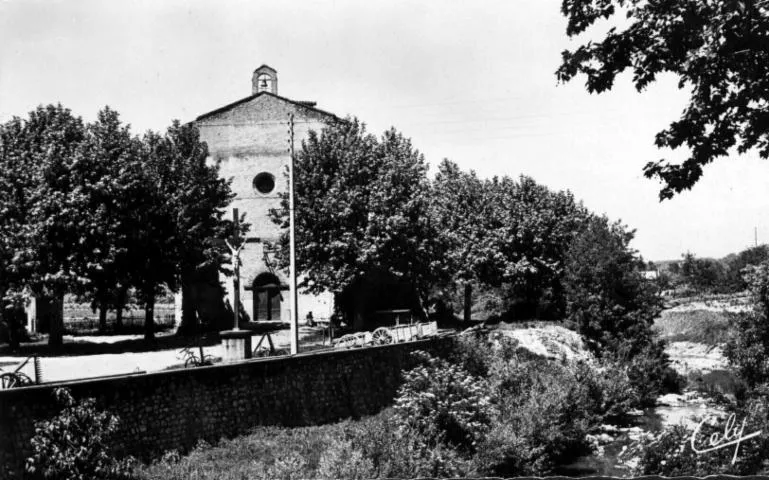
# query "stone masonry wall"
(174, 409)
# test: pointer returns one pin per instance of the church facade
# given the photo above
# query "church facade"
(249, 139)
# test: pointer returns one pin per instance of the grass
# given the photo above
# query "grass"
(80, 319)
(265, 453)
(700, 326)
(717, 383)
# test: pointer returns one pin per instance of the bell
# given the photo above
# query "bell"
(263, 84)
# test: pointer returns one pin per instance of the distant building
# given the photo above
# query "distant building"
(249, 139)
(651, 274)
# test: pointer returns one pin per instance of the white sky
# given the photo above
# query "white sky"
(470, 81)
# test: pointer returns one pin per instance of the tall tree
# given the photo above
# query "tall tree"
(99, 179)
(608, 301)
(179, 204)
(718, 49)
(361, 213)
(462, 207)
(16, 180)
(155, 245)
(39, 154)
(538, 227)
(198, 197)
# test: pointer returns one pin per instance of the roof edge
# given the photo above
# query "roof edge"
(251, 97)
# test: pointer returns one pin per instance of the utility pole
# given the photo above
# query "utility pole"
(755, 236)
(292, 241)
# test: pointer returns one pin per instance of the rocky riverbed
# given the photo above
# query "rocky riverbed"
(613, 443)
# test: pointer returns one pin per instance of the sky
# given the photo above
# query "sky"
(470, 81)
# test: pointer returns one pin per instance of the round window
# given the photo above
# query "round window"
(264, 183)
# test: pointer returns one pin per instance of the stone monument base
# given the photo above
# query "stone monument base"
(236, 345)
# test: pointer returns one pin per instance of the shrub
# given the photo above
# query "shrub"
(544, 414)
(748, 348)
(608, 391)
(648, 370)
(342, 460)
(670, 454)
(440, 403)
(398, 453)
(75, 444)
(477, 351)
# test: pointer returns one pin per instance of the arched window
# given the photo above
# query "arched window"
(267, 297)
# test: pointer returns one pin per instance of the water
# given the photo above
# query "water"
(626, 433)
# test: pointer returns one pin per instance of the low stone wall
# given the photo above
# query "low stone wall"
(172, 410)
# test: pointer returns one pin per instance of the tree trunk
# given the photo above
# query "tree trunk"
(12, 318)
(121, 299)
(189, 324)
(149, 319)
(103, 317)
(55, 321)
(468, 301)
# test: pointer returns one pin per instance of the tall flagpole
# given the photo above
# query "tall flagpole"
(292, 242)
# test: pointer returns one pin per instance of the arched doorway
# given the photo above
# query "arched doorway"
(267, 297)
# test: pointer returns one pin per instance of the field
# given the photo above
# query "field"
(80, 319)
(709, 327)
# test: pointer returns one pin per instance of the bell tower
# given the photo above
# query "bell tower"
(265, 79)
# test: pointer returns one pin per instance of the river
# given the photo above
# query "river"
(614, 439)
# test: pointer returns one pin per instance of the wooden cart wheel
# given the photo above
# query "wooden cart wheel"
(14, 380)
(346, 341)
(362, 338)
(382, 336)
(261, 352)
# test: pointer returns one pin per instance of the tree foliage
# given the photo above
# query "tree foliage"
(538, 228)
(608, 301)
(717, 49)
(748, 349)
(465, 210)
(361, 206)
(94, 210)
(40, 206)
(76, 443)
(506, 233)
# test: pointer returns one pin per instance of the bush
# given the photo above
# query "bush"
(76, 443)
(392, 454)
(748, 348)
(545, 413)
(648, 370)
(440, 403)
(670, 454)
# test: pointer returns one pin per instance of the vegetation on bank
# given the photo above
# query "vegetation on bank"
(708, 276)
(708, 327)
(747, 349)
(489, 408)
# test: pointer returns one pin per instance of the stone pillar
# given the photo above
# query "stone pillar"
(41, 311)
(236, 345)
(32, 315)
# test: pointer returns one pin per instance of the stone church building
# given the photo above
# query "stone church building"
(249, 139)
